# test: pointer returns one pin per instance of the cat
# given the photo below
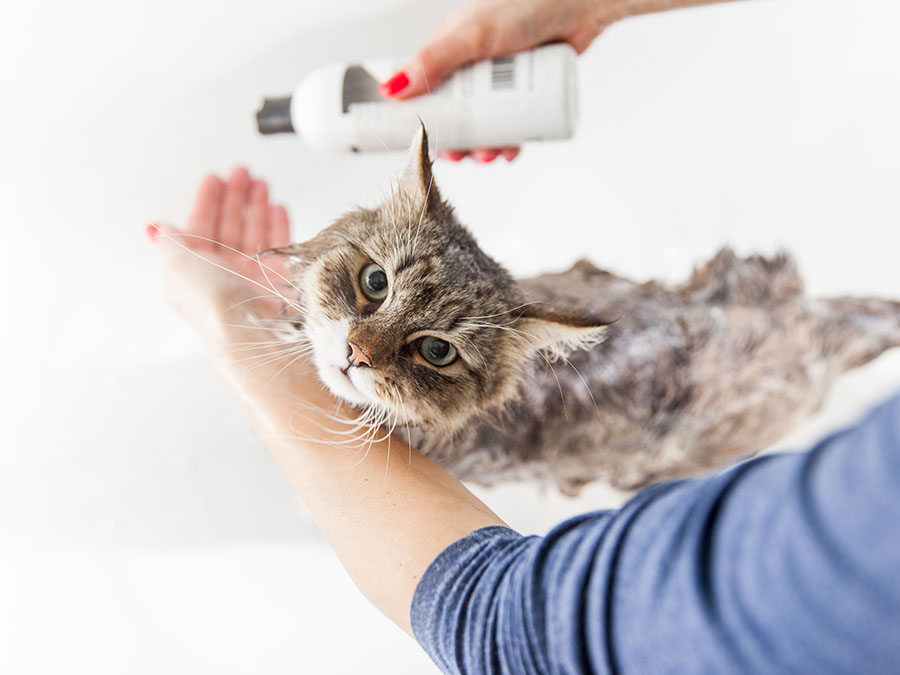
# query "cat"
(570, 377)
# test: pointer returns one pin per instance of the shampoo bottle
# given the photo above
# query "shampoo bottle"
(531, 96)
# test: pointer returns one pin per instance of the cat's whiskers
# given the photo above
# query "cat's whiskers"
(289, 333)
(400, 408)
(362, 421)
(274, 358)
(422, 214)
(239, 346)
(571, 365)
(409, 246)
(268, 347)
(480, 356)
(378, 423)
(256, 298)
(536, 346)
(568, 363)
(371, 419)
(318, 440)
(300, 353)
(271, 347)
(390, 434)
(406, 420)
(506, 311)
(390, 201)
(268, 289)
(283, 346)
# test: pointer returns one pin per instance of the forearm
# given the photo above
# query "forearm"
(783, 564)
(385, 509)
(613, 10)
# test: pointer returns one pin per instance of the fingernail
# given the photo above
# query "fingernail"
(397, 83)
(485, 157)
(453, 155)
(152, 231)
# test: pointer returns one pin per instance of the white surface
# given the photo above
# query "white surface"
(142, 528)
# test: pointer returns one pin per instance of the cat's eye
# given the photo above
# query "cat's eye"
(437, 352)
(373, 282)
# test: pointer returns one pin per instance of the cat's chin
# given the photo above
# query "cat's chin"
(329, 341)
(343, 386)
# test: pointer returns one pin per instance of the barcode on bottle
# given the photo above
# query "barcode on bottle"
(503, 72)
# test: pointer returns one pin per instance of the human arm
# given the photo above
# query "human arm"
(779, 562)
(784, 564)
(486, 29)
(385, 509)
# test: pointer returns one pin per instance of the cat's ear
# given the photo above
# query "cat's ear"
(302, 253)
(296, 254)
(557, 333)
(416, 186)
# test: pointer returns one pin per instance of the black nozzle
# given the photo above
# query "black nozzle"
(275, 116)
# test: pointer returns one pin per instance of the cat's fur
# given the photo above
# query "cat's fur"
(574, 376)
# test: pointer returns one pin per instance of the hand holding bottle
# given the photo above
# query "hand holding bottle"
(486, 29)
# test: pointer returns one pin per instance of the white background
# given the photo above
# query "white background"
(143, 529)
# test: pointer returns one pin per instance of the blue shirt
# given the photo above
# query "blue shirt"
(783, 564)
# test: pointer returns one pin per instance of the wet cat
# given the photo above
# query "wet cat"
(568, 377)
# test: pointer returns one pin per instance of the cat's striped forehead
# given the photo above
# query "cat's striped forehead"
(438, 287)
(439, 274)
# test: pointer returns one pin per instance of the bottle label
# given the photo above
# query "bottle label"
(503, 73)
(493, 103)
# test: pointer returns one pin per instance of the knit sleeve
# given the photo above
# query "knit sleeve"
(787, 563)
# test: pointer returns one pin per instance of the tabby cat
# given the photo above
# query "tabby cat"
(567, 377)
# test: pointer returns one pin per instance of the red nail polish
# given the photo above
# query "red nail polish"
(486, 157)
(152, 231)
(397, 83)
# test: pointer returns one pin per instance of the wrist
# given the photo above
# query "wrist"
(615, 10)
(608, 12)
(279, 390)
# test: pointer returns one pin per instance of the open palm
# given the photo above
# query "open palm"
(213, 263)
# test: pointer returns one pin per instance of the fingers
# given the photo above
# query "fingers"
(584, 33)
(153, 231)
(454, 155)
(484, 155)
(236, 214)
(254, 236)
(172, 242)
(206, 210)
(231, 225)
(256, 225)
(445, 53)
(279, 227)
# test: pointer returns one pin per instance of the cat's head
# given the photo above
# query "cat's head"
(406, 313)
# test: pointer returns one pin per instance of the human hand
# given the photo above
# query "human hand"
(487, 29)
(387, 510)
(211, 267)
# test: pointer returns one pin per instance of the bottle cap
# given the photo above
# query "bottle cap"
(275, 116)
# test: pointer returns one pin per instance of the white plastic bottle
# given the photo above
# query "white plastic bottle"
(508, 101)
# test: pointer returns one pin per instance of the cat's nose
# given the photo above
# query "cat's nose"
(357, 357)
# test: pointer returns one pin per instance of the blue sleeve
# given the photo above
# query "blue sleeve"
(784, 564)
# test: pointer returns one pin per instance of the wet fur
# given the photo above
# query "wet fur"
(575, 376)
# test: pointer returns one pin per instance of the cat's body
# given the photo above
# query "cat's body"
(569, 377)
(688, 377)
